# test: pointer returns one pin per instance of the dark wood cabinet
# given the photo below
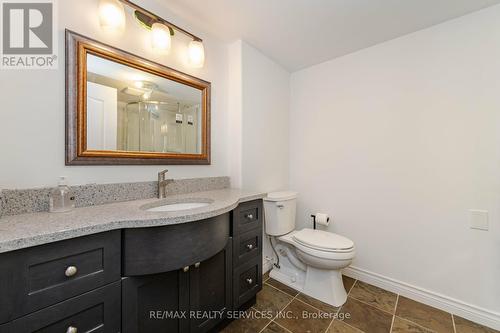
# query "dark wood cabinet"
(247, 281)
(166, 248)
(156, 303)
(247, 216)
(45, 275)
(182, 278)
(194, 299)
(95, 311)
(247, 246)
(247, 254)
(210, 290)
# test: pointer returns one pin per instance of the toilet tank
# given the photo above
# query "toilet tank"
(279, 212)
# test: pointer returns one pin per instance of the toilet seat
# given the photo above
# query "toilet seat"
(341, 254)
(323, 241)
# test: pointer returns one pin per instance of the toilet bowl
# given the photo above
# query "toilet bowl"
(324, 254)
(310, 260)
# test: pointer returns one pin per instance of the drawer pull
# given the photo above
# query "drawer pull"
(250, 247)
(249, 281)
(72, 329)
(249, 216)
(185, 269)
(71, 271)
(197, 265)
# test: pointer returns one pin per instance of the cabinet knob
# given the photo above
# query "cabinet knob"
(69, 272)
(72, 329)
(249, 216)
(186, 269)
(250, 246)
(197, 265)
(249, 281)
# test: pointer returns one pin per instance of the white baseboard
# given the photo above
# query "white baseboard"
(445, 303)
(267, 265)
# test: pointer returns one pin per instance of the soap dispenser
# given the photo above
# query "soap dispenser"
(61, 198)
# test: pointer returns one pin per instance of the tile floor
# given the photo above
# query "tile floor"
(368, 309)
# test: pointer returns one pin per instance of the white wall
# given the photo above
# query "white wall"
(397, 142)
(32, 106)
(259, 96)
(235, 112)
(265, 107)
(265, 122)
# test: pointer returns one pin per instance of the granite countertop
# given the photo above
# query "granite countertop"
(27, 230)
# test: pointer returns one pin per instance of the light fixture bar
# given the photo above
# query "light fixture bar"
(159, 19)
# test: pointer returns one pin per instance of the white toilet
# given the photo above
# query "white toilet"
(309, 260)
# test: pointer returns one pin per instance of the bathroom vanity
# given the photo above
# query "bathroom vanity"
(136, 272)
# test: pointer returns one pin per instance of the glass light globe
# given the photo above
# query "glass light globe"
(160, 38)
(196, 54)
(112, 15)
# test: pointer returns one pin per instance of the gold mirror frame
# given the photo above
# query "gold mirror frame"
(77, 48)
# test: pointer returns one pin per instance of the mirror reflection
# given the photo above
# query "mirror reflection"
(132, 110)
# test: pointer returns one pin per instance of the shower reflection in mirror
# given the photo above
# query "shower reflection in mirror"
(132, 110)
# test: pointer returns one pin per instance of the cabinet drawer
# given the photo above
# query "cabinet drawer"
(247, 246)
(48, 274)
(247, 216)
(247, 281)
(95, 311)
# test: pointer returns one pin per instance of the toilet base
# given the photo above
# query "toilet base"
(324, 285)
(293, 279)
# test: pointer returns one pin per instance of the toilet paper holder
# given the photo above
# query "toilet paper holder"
(314, 221)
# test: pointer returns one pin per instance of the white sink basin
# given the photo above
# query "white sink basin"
(178, 206)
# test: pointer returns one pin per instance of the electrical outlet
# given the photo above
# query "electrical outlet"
(478, 219)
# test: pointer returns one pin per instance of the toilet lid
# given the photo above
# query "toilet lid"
(322, 240)
(281, 196)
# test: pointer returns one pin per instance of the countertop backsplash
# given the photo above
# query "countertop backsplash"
(14, 202)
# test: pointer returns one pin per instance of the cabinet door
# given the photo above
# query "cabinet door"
(211, 290)
(156, 303)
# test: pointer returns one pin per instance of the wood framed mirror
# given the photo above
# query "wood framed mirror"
(122, 109)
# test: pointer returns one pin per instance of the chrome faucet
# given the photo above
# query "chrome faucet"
(162, 184)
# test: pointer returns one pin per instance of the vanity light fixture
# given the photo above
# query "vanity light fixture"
(160, 38)
(112, 17)
(196, 53)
